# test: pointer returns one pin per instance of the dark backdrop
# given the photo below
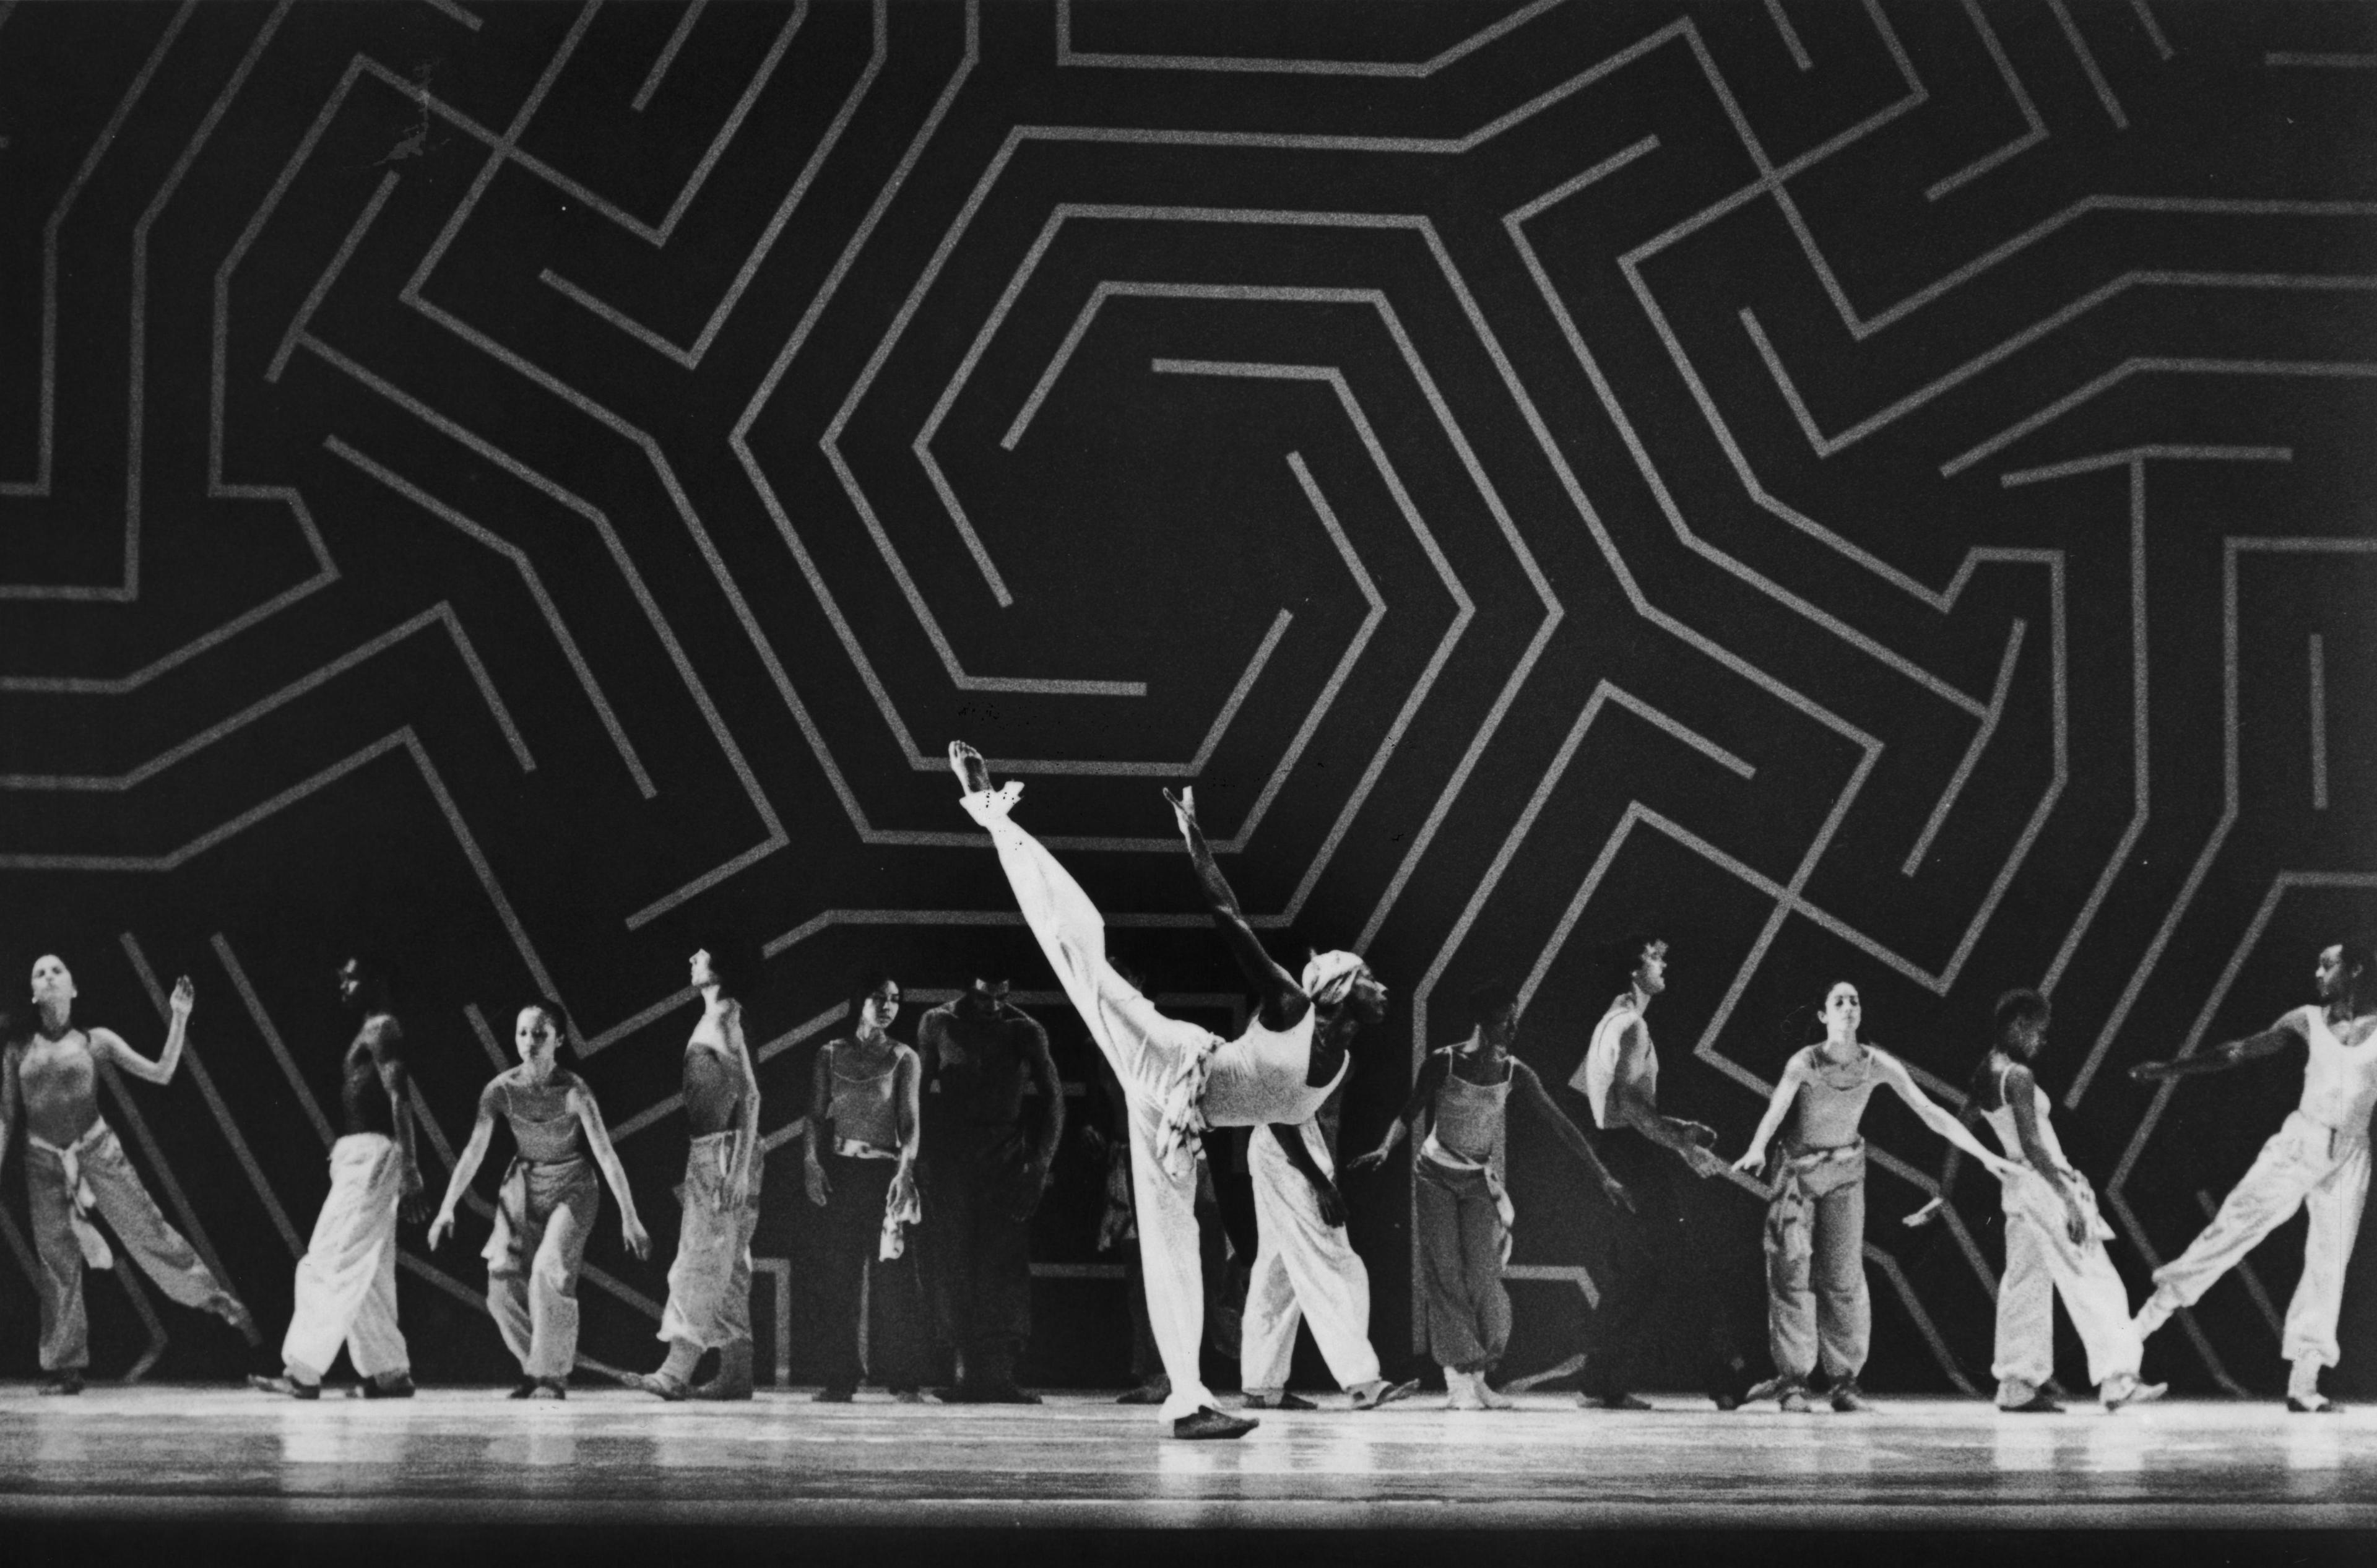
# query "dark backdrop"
(1874, 490)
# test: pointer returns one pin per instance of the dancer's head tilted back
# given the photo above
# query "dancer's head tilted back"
(726, 967)
(1340, 982)
(1634, 965)
(365, 979)
(1844, 1011)
(1493, 1010)
(54, 991)
(2020, 1022)
(2348, 974)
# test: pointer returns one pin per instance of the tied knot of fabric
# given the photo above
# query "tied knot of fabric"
(93, 1246)
(1328, 976)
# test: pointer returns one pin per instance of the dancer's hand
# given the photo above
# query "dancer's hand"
(1184, 808)
(2076, 1224)
(1698, 1133)
(2153, 1072)
(185, 996)
(639, 1240)
(1703, 1164)
(1925, 1214)
(440, 1227)
(819, 1188)
(414, 1208)
(1332, 1205)
(1752, 1160)
(904, 1187)
(1368, 1162)
(1615, 1190)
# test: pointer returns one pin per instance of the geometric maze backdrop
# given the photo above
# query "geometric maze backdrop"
(1877, 490)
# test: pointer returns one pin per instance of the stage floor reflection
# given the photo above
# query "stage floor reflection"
(455, 1456)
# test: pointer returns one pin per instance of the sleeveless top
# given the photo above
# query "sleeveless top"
(58, 1086)
(1599, 1069)
(864, 1109)
(2001, 1121)
(1831, 1097)
(1470, 1118)
(552, 1140)
(1259, 1077)
(2339, 1080)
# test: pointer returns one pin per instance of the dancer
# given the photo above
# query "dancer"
(1177, 1078)
(983, 1179)
(1650, 1262)
(1816, 1300)
(346, 1281)
(75, 1166)
(545, 1210)
(1465, 1212)
(1304, 1268)
(860, 1148)
(2318, 1160)
(2054, 1237)
(710, 1282)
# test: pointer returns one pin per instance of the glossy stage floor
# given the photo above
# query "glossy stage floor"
(452, 1456)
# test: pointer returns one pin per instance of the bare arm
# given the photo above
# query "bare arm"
(107, 1042)
(747, 1146)
(2287, 1031)
(598, 1140)
(1933, 1115)
(1778, 1106)
(2022, 1098)
(907, 1087)
(10, 1092)
(813, 1135)
(1052, 1089)
(1284, 1002)
(1628, 1106)
(386, 1040)
(1531, 1089)
(466, 1164)
(1291, 1143)
(1432, 1074)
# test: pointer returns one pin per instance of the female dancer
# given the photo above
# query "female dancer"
(2054, 1237)
(1464, 1212)
(863, 1173)
(1815, 1222)
(75, 1164)
(1179, 1078)
(546, 1207)
(710, 1282)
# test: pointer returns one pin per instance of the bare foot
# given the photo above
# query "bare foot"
(968, 765)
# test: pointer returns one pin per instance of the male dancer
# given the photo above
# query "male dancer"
(1464, 1212)
(1619, 1080)
(74, 1165)
(2318, 1160)
(983, 1179)
(1177, 1078)
(346, 1281)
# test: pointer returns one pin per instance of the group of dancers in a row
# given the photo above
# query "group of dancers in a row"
(932, 1141)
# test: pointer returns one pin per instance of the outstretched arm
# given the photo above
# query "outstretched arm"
(598, 1139)
(466, 1164)
(1628, 1106)
(1949, 1163)
(1291, 1143)
(1778, 1106)
(1531, 1090)
(1282, 1001)
(1933, 1115)
(1432, 1073)
(2285, 1032)
(107, 1042)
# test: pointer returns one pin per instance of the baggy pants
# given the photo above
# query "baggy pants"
(543, 1215)
(1816, 1304)
(709, 1282)
(1156, 1059)
(2041, 1263)
(346, 1281)
(2303, 1166)
(116, 1193)
(1306, 1270)
(1462, 1244)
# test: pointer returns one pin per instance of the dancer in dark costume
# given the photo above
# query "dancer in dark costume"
(1178, 1078)
(545, 1210)
(982, 1180)
(74, 1166)
(1465, 1212)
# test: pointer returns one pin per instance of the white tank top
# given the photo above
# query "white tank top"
(2000, 1123)
(1259, 1077)
(1599, 1069)
(2339, 1080)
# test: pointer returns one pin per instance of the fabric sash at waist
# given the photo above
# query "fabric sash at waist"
(95, 1252)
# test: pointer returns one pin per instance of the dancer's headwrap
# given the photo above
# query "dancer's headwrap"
(1328, 976)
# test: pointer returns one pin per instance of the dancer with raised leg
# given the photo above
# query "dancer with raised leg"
(2054, 1237)
(710, 1282)
(1465, 1212)
(74, 1167)
(346, 1281)
(1816, 1304)
(2317, 1161)
(1176, 1078)
(546, 1207)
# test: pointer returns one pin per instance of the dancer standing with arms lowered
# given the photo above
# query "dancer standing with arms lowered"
(1466, 1213)
(1176, 1078)
(2054, 1237)
(346, 1281)
(1817, 1303)
(710, 1282)
(74, 1165)
(545, 1210)
(2318, 1160)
